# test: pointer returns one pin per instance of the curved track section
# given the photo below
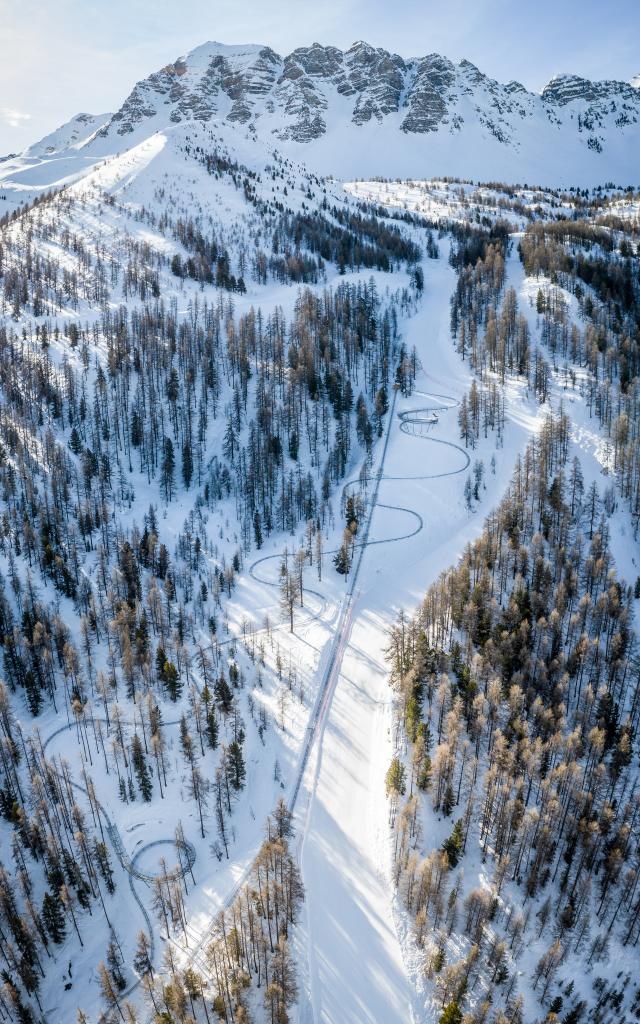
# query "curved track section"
(186, 851)
(186, 860)
(261, 579)
(415, 423)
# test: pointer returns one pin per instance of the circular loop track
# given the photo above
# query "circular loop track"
(186, 860)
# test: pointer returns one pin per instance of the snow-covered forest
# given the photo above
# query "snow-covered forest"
(512, 790)
(319, 577)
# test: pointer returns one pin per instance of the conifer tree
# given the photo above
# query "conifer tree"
(168, 468)
(395, 778)
(452, 1014)
(53, 917)
(187, 463)
(115, 961)
(142, 958)
(236, 770)
(454, 844)
(143, 774)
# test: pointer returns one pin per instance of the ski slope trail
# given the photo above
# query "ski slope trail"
(352, 957)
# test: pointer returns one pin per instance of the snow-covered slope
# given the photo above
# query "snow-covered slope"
(172, 402)
(182, 197)
(55, 161)
(72, 135)
(360, 113)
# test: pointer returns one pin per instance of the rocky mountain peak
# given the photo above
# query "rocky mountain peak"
(563, 89)
(320, 96)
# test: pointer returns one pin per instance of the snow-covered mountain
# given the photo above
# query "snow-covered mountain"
(368, 111)
(250, 412)
(58, 159)
(298, 97)
(360, 113)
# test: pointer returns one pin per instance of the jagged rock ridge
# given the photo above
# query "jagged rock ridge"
(297, 97)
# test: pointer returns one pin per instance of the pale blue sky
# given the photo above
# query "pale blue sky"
(58, 57)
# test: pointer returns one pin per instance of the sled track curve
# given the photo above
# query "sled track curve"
(413, 422)
(186, 851)
(416, 423)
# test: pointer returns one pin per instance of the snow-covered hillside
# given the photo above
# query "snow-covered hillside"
(249, 415)
(72, 135)
(51, 163)
(240, 307)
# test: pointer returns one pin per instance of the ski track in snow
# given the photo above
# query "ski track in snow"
(351, 955)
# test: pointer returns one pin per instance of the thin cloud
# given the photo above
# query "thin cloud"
(13, 118)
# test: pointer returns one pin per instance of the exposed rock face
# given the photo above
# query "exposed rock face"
(377, 77)
(243, 85)
(299, 91)
(373, 76)
(565, 89)
(317, 88)
(142, 102)
(597, 105)
(429, 94)
(195, 93)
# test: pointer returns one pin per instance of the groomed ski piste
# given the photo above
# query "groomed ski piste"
(355, 955)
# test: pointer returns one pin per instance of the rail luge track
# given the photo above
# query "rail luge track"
(186, 850)
(419, 423)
